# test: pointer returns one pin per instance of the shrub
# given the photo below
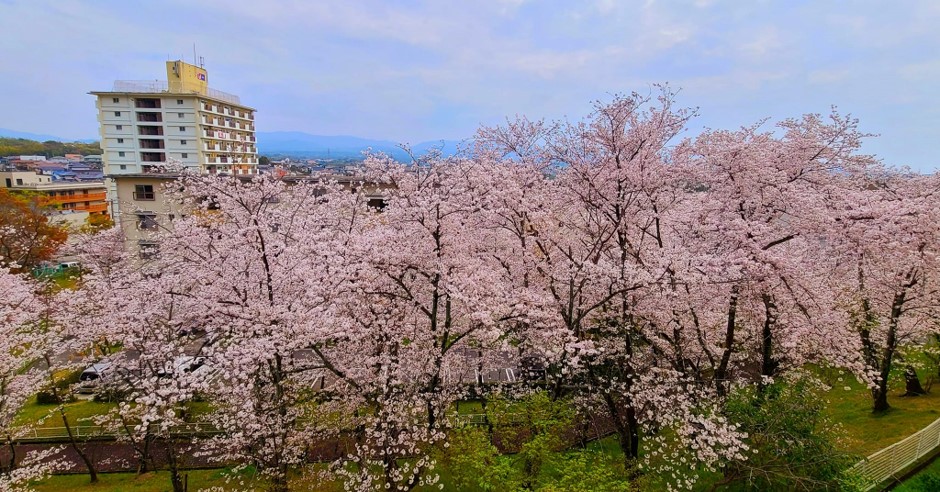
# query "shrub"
(793, 443)
(63, 388)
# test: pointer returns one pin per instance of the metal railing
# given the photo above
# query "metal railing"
(158, 86)
(99, 432)
(140, 86)
(896, 458)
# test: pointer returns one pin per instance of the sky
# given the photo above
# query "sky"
(413, 71)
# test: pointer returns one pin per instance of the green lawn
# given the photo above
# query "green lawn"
(866, 432)
(850, 408)
(79, 413)
(150, 482)
(926, 480)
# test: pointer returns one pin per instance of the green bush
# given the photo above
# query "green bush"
(793, 444)
(63, 388)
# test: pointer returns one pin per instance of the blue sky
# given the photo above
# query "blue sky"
(413, 71)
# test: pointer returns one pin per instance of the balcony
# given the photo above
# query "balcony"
(149, 143)
(79, 197)
(149, 117)
(150, 130)
(92, 207)
(152, 157)
(147, 103)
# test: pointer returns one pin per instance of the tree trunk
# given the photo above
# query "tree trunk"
(625, 424)
(92, 473)
(141, 448)
(769, 364)
(880, 394)
(912, 382)
(278, 484)
(172, 460)
(721, 373)
(12, 465)
(880, 397)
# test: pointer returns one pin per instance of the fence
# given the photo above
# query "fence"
(98, 432)
(894, 459)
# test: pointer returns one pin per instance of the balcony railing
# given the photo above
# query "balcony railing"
(92, 207)
(223, 111)
(54, 199)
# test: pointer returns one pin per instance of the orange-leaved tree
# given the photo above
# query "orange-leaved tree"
(26, 236)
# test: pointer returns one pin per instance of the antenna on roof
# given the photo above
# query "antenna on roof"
(202, 62)
(194, 53)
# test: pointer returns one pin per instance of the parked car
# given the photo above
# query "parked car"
(184, 365)
(92, 377)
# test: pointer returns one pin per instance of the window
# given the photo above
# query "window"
(146, 221)
(118, 127)
(144, 192)
(185, 155)
(182, 142)
(117, 113)
(120, 140)
(19, 181)
(123, 167)
(148, 249)
(120, 154)
(179, 101)
(182, 128)
(115, 100)
(180, 115)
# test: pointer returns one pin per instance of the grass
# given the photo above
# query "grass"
(149, 482)
(867, 432)
(221, 478)
(79, 413)
(917, 483)
(848, 404)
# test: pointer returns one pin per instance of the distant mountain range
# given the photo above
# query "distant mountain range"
(301, 144)
(39, 137)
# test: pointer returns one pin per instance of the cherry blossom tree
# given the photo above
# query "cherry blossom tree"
(887, 237)
(254, 259)
(602, 256)
(23, 343)
(425, 293)
(755, 234)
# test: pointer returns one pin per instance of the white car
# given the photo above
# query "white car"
(93, 375)
(186, 364)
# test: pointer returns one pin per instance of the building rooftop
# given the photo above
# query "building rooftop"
(163, 87)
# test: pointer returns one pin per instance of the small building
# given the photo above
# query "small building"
(59, 196)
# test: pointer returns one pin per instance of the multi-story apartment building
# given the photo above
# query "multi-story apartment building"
(144, 125)
(68, 202)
